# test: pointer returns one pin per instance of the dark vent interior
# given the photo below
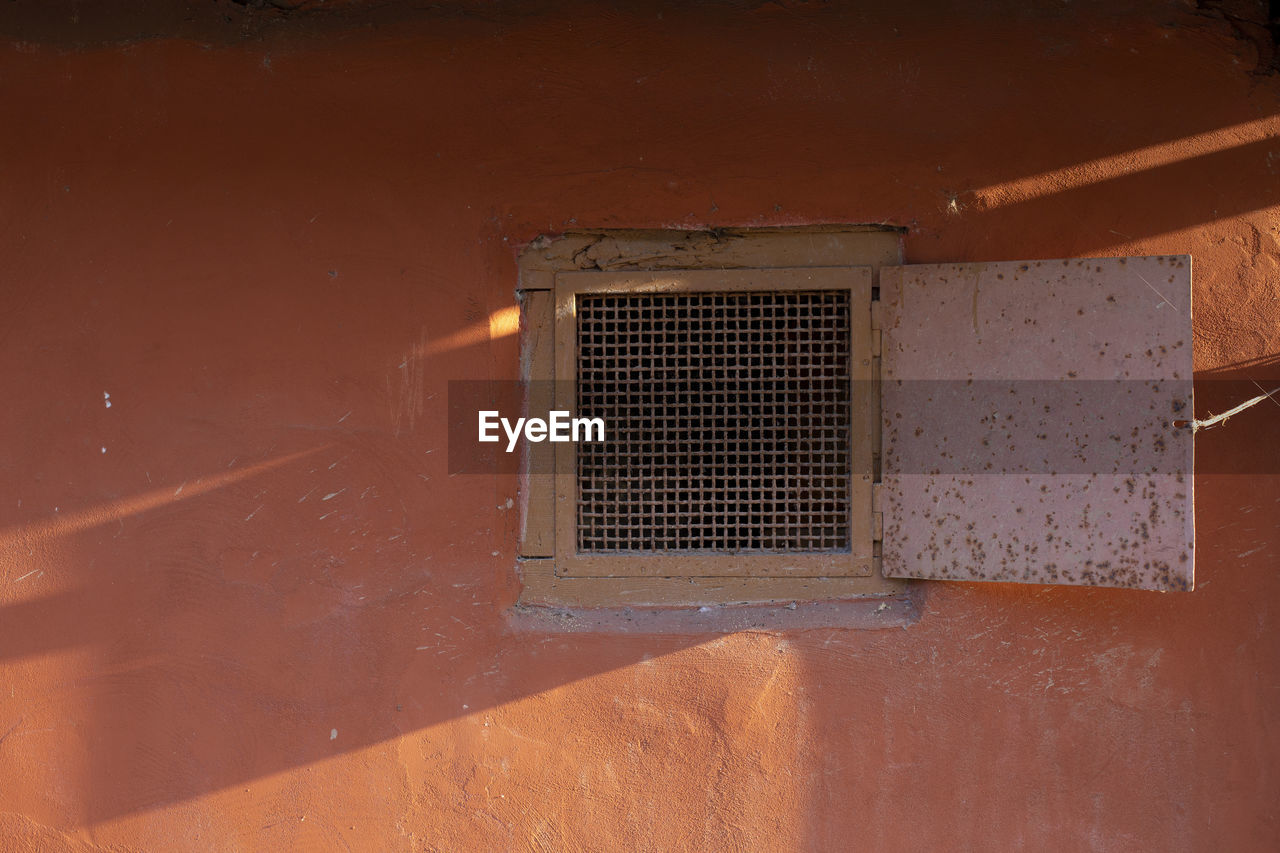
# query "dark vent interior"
(728, 422)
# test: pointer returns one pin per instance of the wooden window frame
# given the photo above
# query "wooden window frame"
(550, 275)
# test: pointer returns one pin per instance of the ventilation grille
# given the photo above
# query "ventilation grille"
(728, 422)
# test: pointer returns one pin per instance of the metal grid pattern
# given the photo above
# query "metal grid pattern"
(728, 422)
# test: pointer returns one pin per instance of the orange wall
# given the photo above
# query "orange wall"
(267, 618)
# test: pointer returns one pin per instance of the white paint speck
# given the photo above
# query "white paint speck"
(493, 553)
(333, 734)
(104, 450)
(106, 399)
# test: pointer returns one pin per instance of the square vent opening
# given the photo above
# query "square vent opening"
(729, 422)
(737, 374)
(738, 414)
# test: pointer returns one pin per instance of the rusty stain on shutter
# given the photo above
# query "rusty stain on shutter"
(1027, 413)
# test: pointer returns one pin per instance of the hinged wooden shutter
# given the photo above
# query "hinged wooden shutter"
(1027, 422)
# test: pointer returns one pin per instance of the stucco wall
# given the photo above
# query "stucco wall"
(246, 607)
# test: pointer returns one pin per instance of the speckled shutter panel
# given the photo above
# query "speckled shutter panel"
(1028, 413)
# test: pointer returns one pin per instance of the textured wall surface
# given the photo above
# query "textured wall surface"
(246, 607)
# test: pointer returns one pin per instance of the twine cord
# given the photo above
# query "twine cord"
(1197, 425)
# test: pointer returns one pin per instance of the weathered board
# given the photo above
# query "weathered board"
(1027, 422)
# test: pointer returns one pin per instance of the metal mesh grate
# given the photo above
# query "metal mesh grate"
(728, 421)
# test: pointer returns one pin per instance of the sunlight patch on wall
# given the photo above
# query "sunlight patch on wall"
(1127, 163)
